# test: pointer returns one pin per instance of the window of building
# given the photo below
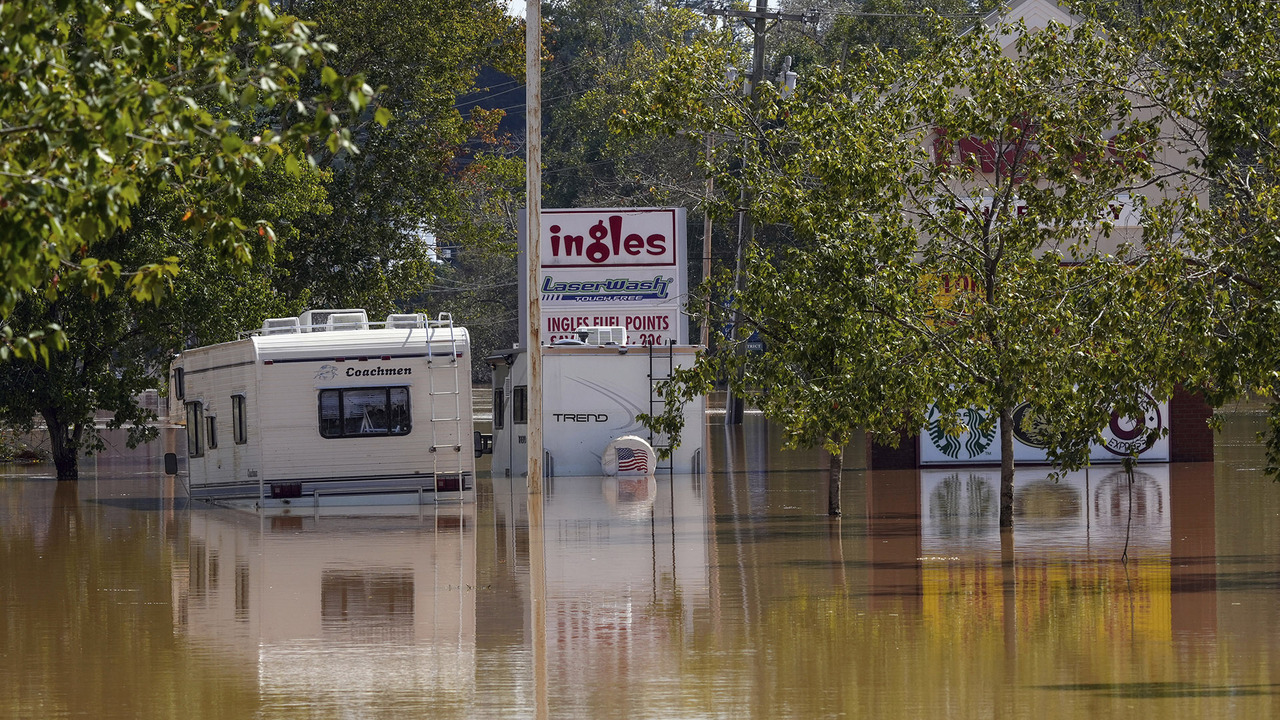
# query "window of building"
(213, 432)
(179, 383)
(195, 429)
(520, 405)
(499, 408)
(365, 412)
(239, 425)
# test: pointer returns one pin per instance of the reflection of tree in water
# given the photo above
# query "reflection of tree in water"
(1047, 501)
(1111, 499)
(955, 504)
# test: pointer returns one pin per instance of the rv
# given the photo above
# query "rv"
(329, 409)
(593, 390)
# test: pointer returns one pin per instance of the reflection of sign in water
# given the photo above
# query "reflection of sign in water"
(1047, 502)
(961, 507)
(1135, 435)
(1119, 504)
(972, 441)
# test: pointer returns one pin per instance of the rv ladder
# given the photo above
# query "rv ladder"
(444, 388)
(661, 365)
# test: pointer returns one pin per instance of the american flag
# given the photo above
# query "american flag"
(632, 460)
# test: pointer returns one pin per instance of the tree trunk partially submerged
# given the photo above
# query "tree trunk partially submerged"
(64, 446)
(834, 471)
(1006, 467)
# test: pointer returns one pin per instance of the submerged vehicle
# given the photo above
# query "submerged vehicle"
(329, 409)
(593, 391)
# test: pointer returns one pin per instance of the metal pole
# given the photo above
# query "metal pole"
(533, 238)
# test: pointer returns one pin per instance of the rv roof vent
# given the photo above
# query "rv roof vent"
(603, 335)
(406, 320)
(348, 321)
(318, 320)
(280, 326)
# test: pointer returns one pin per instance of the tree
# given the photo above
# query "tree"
(101, 105)
(479, 291)
(968, 165)
(412, 180)
(598, 50)
(1213, 71)
(117, 347)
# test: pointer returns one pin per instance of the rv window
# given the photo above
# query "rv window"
(520, 404)
(499, 408)
(365, 412)
(195, 441)
(179, 383)
(213, 432)
(239, 427)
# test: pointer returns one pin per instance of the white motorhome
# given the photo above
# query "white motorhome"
(328, 408)
(593, 390)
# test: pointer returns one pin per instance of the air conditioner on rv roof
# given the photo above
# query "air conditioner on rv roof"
(603, 335)
(324, 320)
(406, 320)
(280, 326)
(348, 321)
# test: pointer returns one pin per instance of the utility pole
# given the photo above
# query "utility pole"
(533, 235)
(706, 249)
(756, 20)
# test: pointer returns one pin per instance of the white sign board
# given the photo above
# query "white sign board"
(620, 267)
(1122, 436)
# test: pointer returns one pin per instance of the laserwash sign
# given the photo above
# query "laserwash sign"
(603, 267)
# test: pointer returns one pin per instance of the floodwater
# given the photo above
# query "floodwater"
(730, 595)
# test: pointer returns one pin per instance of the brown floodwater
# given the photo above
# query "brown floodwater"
(728, 595)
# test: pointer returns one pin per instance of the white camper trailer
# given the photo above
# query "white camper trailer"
(328, 408)
(592, 392)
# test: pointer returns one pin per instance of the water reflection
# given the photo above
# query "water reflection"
(354, 613)
(729, 595)
(617, 570)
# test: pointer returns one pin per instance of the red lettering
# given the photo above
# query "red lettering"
(633, 244)
(615, 230)
(657, 244)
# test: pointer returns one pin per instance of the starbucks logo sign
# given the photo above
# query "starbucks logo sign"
(972, 441)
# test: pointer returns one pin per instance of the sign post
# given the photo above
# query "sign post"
(533, 193)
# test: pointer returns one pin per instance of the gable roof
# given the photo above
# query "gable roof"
(1036, 14)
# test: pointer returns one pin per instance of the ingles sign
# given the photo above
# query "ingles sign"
(609, 238)
(619, 266)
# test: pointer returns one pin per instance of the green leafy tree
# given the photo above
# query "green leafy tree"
(118, 347)
(597, 51)
(1213, 70)
(842, 31)
(102, 105)
(414, 178)
(969, 164)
